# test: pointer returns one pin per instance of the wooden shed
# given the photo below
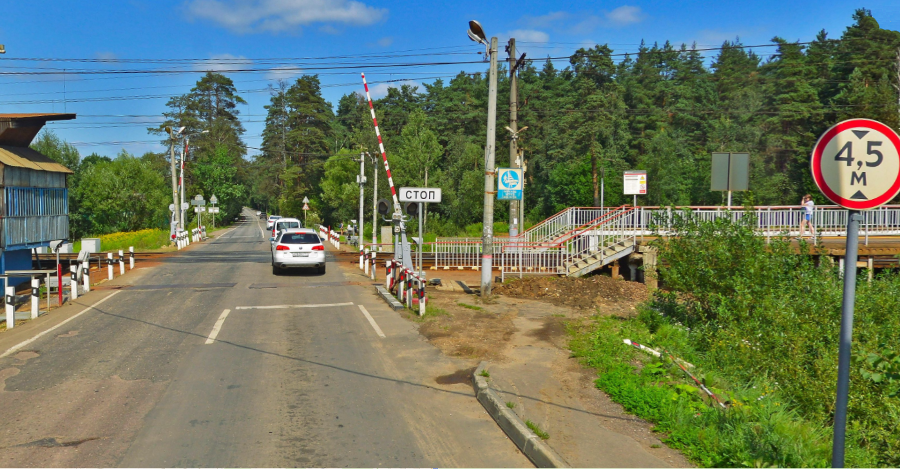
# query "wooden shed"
(34, 200)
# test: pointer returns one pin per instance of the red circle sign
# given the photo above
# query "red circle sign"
(856, 164)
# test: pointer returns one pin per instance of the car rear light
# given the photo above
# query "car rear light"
(282, 247)
(318, 248)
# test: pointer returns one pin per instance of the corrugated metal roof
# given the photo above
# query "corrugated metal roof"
(37, 115)
(24, 157)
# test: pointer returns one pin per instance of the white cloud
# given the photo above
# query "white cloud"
(247, 16)
(385, 41)
(380, 90)
(625, 15)
(284, 72)
(529, 35)
(548, 20)
(107, 56)
(222, 62)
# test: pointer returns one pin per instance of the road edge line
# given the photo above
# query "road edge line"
(530, 444)
(372, 321)
(14, 348)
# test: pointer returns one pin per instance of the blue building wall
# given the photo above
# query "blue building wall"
(19, 259)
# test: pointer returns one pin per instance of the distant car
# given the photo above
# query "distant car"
(259, 214)
(271, 221)
(285, 224)
(298, 248)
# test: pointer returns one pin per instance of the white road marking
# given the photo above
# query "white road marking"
(294, 306)
(217, 327)
(372, 321)
(17, 347)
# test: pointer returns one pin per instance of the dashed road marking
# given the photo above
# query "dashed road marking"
(327, 305)
(217, 327)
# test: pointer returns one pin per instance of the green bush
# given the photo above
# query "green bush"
(748, 313)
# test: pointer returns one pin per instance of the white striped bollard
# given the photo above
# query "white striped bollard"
(409, 289)
(121, 262)
(402, 287)
(361, 258)
(421, 298)
(10, 299)
(131, 258)
(86, 275)
(73, 282)
(372, 261)
(109, 264)
(365, 262)
(35, 297)
(388, 275)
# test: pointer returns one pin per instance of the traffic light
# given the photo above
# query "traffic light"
(411, 208)
(384, 207)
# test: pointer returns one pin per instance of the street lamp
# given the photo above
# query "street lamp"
(176, 212)
(2, 49)
(476, 33)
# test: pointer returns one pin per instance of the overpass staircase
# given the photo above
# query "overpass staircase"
(574, 242)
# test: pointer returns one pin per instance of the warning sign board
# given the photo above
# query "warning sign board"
(856, 164)
(305, 206)
(635, 182)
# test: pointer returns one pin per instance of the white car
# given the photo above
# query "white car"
(298, 248)
(282, 224)
(271, 221)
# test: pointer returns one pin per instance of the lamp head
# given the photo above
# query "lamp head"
(2, 49)
(476, 32)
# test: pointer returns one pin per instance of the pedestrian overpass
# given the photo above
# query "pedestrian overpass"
(579, 240)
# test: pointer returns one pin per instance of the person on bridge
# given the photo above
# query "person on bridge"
(809, 206)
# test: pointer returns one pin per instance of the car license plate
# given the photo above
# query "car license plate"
(300, 254)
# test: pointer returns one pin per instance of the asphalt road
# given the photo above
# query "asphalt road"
(296, 375)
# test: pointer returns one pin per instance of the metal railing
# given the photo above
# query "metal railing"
(556, 257)
(547, 246)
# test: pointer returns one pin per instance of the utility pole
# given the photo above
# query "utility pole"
(374, 202)
(362, 187)
(174, 179)
(487, 236)
(513, 126)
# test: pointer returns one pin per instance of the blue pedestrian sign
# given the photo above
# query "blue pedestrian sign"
(510, 184)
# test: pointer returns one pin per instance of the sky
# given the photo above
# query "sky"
(79, 43)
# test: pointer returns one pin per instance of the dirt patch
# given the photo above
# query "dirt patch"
(553, 330)
(26, 355)
(463, 332)
(586, 293)
(457, 377)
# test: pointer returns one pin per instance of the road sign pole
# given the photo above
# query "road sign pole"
(843, 383)
(421, 239)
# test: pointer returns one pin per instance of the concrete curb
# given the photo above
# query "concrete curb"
(530, 444)
(388, 298)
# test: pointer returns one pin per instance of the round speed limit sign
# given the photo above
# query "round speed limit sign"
(856, 164)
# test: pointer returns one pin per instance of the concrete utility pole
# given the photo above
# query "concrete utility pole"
(362, 187)
(174, 179)
(476, 33)
(487, 242)
(374, 202)
(513, 126)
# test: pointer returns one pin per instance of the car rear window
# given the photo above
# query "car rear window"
(283, 225)
(299, 238)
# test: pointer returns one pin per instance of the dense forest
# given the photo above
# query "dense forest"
(663, 109)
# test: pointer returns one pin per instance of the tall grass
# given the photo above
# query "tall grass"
(142, 240)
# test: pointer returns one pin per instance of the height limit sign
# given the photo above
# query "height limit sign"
(856, 164)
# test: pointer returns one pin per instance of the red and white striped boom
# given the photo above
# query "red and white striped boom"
(381, 147)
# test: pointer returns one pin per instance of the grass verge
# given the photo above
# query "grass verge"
(537, 430)
(757, 429)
